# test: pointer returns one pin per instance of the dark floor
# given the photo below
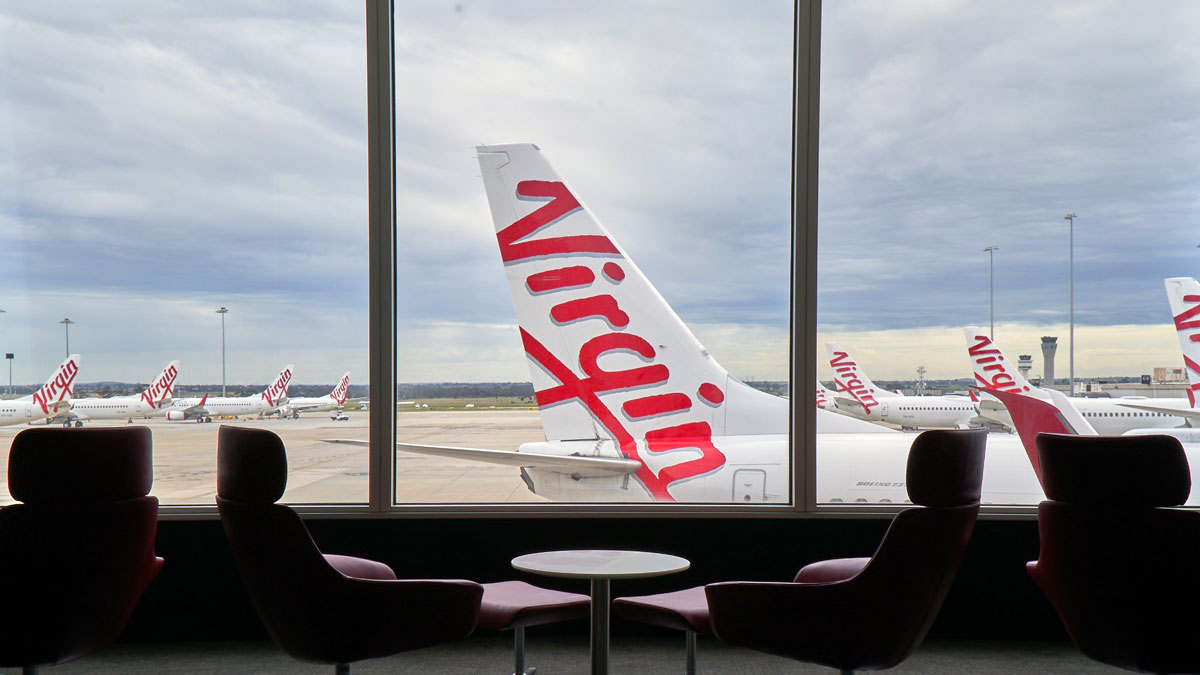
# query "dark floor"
(553, 655)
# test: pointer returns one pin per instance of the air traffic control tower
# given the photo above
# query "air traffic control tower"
(1049, 346)
(1025, 364)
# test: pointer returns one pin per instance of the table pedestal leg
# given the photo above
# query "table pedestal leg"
(600, 602)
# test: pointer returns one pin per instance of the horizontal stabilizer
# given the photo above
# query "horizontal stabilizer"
(573, 464)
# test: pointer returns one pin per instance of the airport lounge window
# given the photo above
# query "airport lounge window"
(183, 218)
(544, 357)
(1006, 191)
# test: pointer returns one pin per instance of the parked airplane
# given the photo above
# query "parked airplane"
(857, 395)
(330, 401)
(149, 402)
(993, 371)
(51, 399)
(1059, 415)
(205, 408)
(634, 408)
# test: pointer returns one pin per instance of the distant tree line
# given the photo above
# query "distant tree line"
(420, 390)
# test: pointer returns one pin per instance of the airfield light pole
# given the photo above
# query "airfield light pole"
(1071, 272)
(222, 312)
(9, 356)
(991, 251)
(67, 333)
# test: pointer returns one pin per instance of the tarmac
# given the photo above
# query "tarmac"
(185, 457)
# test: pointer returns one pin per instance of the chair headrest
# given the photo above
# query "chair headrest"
(251, 465)
(945, 468)
(1139, 471)
(80, 465)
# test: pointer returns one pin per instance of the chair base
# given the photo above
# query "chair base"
(519, 653)
(689, 648)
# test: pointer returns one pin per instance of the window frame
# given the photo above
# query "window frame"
(381, 154)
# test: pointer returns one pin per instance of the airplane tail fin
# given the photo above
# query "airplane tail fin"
(163, 386)
(852, 381)
(1184, 295)
(276, 392)
(59, 387)
(609, 358)
(1032, 416)
(824, 397)
(340, 392)
(993, 371)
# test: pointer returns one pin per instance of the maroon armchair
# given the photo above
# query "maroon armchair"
(1118, 564)
(78, 551)
(323, 608)
(869, 613)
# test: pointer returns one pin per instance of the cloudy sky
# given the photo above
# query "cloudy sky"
(159, 160)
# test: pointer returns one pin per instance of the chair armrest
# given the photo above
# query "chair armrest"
(828, 571)
(781, 618)
(359, 568)
(401, 614)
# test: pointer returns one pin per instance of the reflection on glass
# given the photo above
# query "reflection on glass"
(674, 129)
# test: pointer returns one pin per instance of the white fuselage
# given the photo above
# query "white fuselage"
(21, 412)
(917, 412)
(115, 408)
(220, 407)
(1108, 416)
(854, 468)
(309, 404)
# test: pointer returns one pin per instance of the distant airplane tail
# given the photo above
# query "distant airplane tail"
(163, 386)
(1184, 295)
(824, 397)
(340, 392)
(852, 381)
(276, 392)
(59, 388)
(993, 371)
(609, 357)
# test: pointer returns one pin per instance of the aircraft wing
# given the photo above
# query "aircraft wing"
(1177, 412)
(570, 464)
(62, 413)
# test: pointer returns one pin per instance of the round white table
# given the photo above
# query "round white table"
(600, 567)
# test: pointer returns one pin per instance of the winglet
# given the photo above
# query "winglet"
(1032, 416)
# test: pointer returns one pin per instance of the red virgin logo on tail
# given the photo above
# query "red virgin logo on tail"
(991, 368)
(517, 245)
(339, 394)
(1186, 320)
(849, 382)
(58, 387)
(562, 203)
(279, 389)
(161, 387)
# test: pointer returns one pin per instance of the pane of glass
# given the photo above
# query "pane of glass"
(672, 122)
(163, 161)
(972, 155)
